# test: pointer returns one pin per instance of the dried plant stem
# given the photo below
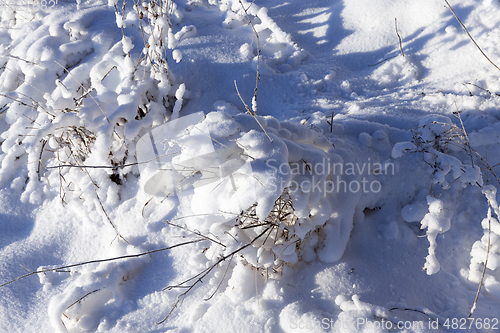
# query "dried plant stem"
(257, 77)
(382, 61)
(104, 113)
(101, 260)
(109, 219)
(200, 276)
(253, 110)
(485, 262)
(107, 166)
(400, 43)
(252, 113)
(467, 31)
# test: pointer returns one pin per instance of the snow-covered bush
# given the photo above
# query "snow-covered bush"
(77, 99)
(263, 205)
(272, 194)
(435, 136)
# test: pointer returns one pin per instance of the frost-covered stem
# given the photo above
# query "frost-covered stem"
(221, 280)
(195, 232)
(123, 16)
(485, 262)
(253, 110)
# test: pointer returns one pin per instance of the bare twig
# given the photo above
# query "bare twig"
(470, 92)
(200, 276)
(485, 262)
(413, 310)
(331, 121)
(251, 112)
(475, 85)
(26, 61)
(81, 298)
(114, 67)
(382, 61)
(257, 77)
(107, 166)
(221, 280)
(102, 260)
(400, 44)
(195, 232)
(104, 113)
(467, 31)
(108, 218)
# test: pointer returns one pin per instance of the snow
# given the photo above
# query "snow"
(347, 186)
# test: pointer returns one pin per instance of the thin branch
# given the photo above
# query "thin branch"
(253, 109)
(221, 280)
(107, 166)
(108, 72)
(400, 44)
(382, 61)
(485, 262)
(200, 276)
(109, 219)
(88, 294)
(101, 260)
(257, 77)
(26, 61)
(475, 85)
(196, 232)
(251, 112)
(106, 117)
(467, 31)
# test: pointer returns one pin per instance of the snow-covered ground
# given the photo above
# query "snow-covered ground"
(361, 198)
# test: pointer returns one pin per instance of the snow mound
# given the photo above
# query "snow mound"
(275, 203)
